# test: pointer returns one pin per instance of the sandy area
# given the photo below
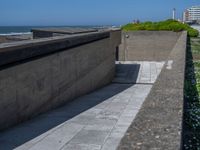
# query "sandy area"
(14, 38)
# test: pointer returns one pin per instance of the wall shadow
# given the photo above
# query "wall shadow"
(191, 102)
(24, 132)
(126, 73)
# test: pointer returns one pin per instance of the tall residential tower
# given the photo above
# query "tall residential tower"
(174, 14)
(192, 15)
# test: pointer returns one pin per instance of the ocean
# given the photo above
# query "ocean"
(19, 30)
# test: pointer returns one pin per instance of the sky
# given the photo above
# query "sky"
(87, 12)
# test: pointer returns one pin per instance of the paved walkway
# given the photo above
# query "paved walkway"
(96, 121)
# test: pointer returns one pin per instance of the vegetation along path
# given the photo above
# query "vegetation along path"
(191, 135)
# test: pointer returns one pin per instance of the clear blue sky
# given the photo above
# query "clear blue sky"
(87, 12)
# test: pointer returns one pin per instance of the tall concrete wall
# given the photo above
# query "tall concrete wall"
(147, 45)
(33, 85)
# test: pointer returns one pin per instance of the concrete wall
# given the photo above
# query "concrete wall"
(147, 45)
(50, 32)
(41, 34)
(158, 125)
(34, 85)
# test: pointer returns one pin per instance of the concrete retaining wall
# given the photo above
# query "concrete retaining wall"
(147, 45)
(38, 75)
(158, 125)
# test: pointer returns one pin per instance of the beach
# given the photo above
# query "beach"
(13, 38)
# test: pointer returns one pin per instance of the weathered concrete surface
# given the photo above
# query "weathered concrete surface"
(50, 32)
(96, 121)
(147, 45)
(158, 124)
(36, 85)
(23, 50)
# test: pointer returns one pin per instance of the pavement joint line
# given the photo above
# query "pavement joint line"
(71, 138)
(83, 129)
(53, 130)
(107, 138)
(133, 83)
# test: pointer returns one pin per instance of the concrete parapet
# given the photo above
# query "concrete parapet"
(50, 32)
(39, 75)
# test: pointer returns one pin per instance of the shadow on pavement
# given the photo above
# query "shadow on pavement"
(22, 133)
(126, 73)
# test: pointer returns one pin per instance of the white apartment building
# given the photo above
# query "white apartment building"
(192, 14)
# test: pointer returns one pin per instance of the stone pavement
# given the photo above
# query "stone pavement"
(137, 72)
(97, 121)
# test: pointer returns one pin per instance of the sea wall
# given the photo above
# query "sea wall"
(147, 45)
(39, 75)
(50, 32)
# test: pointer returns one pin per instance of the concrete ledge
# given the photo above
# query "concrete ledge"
(158, 125)
(50, 32)
(17, 51)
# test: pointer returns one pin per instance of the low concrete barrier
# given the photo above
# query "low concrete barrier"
(39, 75)
(50, 32)
(147, 45)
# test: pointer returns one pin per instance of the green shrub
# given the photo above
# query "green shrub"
(167, 25)
(176, 27)
(193, 32)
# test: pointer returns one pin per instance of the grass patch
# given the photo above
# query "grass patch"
(167, 25)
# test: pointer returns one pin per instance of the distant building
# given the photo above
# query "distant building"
(136, 21)
(174, 14)
(192, 15)
(186, 16)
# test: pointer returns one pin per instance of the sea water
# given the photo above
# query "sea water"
(15, 30)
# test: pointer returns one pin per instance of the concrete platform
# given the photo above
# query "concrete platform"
(97, 121)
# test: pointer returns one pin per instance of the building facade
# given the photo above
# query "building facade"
(192, 14)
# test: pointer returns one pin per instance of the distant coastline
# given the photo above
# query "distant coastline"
(5, 38)
(21, 30)
(14, 33)
(19, 33)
